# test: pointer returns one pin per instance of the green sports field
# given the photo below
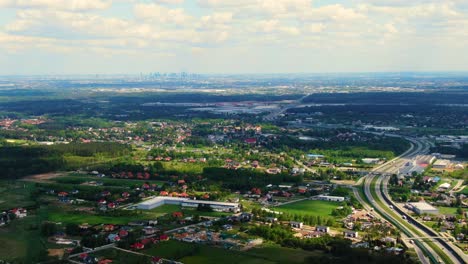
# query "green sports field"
(309, 207)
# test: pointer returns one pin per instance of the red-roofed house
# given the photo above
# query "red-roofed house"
(163, 237)
(138, 245)
(177, 214)
(123, 233)
(184, 195)
(250, 140)
(109, 228)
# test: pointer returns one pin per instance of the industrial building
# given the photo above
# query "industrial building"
(425, 160)
(186, 202)
(422, 208)
(330, 198)
(441, 164)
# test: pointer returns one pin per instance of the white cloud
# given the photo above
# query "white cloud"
(161, 14)
(391, 28)
(70, 5)
(170, 2)
(316, 27)
(217, 26)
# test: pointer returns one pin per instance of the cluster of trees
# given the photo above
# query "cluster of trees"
(461, 152)
(342, 211)
(342, 150)
(245, 179)
(307, 219)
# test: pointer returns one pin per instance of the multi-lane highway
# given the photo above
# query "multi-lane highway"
(376, 191)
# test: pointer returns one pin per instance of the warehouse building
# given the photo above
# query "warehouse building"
(330, 198)
(422, 208)
(441, 164)
(185, 202)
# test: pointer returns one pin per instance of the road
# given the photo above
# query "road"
(273, 115)
(418, 147)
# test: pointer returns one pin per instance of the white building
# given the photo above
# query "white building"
(423, 208)
(160, 200)
(323, 229)
(330, 198)
(350, 234)
(441, 164)
(370, 160)
(296, 224)
(444, 185)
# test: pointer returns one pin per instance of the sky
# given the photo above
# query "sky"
(232, 36)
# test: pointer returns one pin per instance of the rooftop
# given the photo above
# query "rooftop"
(423, 206)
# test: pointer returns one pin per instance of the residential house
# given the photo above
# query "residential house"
(323, 229)
(295, 224)
(350, 234)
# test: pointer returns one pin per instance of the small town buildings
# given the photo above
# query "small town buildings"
(113, 238)
(149, 230)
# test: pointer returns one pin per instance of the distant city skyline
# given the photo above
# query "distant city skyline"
(232, 36)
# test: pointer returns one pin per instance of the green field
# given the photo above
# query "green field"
(447, 210)
(79, 179)
(183, 167)
(57, 214)
(195, 254)
(169, 208)
(15, 194)
(309, 207)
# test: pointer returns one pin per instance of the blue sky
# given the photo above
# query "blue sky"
(232, 36)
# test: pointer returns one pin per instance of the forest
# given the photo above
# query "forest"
(17, 161)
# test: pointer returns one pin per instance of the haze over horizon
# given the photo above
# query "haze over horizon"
(231, 36)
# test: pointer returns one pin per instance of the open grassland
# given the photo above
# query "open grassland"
(447, 210)
(80, 179)
(309, 207)
(184, 167)
(58, 214)
(195, 254)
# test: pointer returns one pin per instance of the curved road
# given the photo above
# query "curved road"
(453, 252)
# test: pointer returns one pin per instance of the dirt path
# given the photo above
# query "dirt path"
(44, 177)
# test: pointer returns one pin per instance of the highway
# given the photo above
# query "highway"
(416, 229)
(277, 112)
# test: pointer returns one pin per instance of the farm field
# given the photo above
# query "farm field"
(309, 207)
